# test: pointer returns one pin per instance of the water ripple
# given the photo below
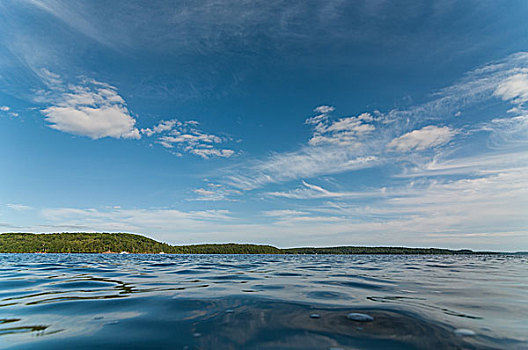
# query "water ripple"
(262, 301)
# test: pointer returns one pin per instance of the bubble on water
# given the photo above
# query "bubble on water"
(354, 316)
(463, 332)
(315, 316)
(229, 311)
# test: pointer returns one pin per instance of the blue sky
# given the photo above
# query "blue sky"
(292, 123)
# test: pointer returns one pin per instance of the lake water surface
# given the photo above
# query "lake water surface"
(109, 301)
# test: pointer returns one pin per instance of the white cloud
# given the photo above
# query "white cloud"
(164, 125)
(188, 138)
(206, 152)
(195, 138)
(316, 188)
(98, 122)
(92, 109)
(344, 131)
(204, 192)
(18, 207)
(419, 140)
(310, 219)
(215, 192)
(51, 79)
(7, 109)
(284, 213)
(324, 109)
(513, 88)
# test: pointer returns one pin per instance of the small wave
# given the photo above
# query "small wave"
(146, 301)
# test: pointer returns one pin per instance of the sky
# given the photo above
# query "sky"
(291, 123)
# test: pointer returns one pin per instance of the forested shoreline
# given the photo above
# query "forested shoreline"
(81, 242)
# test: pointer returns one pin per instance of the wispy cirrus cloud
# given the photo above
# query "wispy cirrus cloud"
(215, 192)
(508, 132)
(475, 165)
(135, 220)
(476, 86)
(18, 207)
(514, 88)
(472, 206)
(283, 213)
(477, 207)
(305, 163)
(459, 212)
(196, 26)
(310, 191)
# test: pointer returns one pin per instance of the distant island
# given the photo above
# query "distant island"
(131, 243)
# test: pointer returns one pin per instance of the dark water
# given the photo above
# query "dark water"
(55, 301)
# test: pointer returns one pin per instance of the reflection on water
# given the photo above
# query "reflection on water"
(50, 301)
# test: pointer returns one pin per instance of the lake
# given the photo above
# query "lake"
(111, 301)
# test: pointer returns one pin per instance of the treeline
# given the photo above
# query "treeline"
(373, 250)
(115, 243)
(80, 243)
(126, 242)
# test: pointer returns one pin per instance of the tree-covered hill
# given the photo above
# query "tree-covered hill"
(80, 243)
(126, 242)
(115, 243)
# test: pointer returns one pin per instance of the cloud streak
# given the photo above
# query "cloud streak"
(133, 220)
(306, 163)
(310, 191)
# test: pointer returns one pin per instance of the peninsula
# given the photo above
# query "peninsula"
(132, 243)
